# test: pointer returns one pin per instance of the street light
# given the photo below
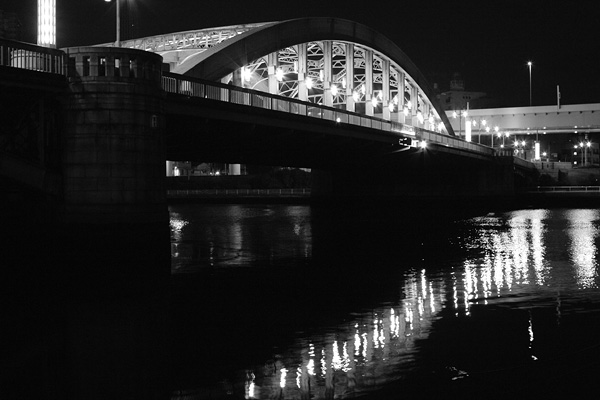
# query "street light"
(529, 63)
(460, 114)
(520, 145)
(584, 147)
(497, 130)
(118, 41)
(506, 134)
(482, 123)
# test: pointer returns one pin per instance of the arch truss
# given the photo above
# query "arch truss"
(361, 72)
(341, 75)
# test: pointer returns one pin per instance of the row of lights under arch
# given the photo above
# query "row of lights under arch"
(356, 94)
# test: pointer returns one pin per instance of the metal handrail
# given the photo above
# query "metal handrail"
(568, 189)
(239, 192)
(21, 55)
(178, 84)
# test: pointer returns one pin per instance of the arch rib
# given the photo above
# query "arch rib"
(235, 53)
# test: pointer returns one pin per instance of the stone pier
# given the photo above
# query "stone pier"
(114, 141)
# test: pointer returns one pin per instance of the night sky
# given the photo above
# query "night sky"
(487, 42)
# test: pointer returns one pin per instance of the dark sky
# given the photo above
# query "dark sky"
(488, 42)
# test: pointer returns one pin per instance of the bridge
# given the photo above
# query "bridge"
(323, 93)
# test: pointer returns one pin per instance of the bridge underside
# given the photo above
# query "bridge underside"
(347, 161)
(204, 131)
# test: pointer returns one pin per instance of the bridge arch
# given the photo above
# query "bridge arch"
(334, 62)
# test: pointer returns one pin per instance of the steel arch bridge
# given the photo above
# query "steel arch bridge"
(326, 61)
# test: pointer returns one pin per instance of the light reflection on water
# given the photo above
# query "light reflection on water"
(582, 235)
(372, 348)
(229, 236)
(525, 254)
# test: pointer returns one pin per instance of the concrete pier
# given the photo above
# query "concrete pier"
(114, 141)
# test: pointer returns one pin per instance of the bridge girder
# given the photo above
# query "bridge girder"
(329, 61)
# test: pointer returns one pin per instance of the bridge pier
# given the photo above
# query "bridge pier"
(114, 157)
(424, 179)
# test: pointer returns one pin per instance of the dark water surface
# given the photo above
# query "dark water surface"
(301, 302)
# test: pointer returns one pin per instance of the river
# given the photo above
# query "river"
(301, 302)
(285, 301)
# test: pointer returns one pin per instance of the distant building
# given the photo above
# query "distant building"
(10, 26)
(457, 98)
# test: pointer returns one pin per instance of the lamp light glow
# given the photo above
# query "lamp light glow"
(334, 90)
(279, 74)
(309, 83)
(246, 74)
(46, 23)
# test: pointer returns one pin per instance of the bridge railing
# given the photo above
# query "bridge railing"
(299, 192)
(572, 189)
(28, 56)
(175, 83)
(453, 142)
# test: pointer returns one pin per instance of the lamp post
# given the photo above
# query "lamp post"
(506, 134)
(497, 130)
(481, 123)
(460, 114)
(529, 64)
(118, 41)
(584, 147)
(521, 145)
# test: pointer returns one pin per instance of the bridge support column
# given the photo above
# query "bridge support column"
(302, 73)
(386, 90)
(350, 104)
(401, 101)
(114, 164)
(273, 64)
(327, 75)
(369, 109)
(414, 98)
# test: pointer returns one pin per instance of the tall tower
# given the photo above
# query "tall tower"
(47, 23)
